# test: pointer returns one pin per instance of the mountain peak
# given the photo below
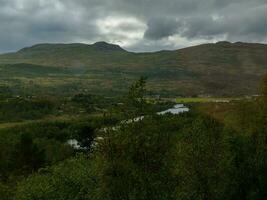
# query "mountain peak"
(107, 46)
(98, 46)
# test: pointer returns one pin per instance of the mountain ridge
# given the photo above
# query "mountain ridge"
(109, 46)
(221, 68)
(98, 46)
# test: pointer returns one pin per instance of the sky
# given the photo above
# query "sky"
(136, 25)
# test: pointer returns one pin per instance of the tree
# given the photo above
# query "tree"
(134, 159)
(134, 103)
(200, 162)
(135, 162)
(27, 156)
(73, 179)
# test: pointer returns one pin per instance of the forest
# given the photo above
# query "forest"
(216, 151)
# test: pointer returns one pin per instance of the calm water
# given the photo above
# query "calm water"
(176, 110)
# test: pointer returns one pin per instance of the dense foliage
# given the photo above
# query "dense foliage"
(191, 156)
(16, 109)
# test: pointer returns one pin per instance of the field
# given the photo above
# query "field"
(204, 99)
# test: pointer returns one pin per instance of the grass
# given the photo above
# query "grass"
(205, 69)
(202, 99)
(50, 118)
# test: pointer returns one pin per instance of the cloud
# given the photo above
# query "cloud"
(140, 25)
(159, 28)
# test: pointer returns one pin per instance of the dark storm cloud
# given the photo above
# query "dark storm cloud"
(160, 28)
(249, 25)
(210, 19)
(26, 22)
(135, 24)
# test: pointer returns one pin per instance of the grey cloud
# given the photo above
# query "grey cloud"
(26, 22)
(235, 21)
(249, 26)
(201, 27)
(161, 28)
(128, 27)
(38, 22)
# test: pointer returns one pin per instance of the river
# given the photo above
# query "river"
(175, 110)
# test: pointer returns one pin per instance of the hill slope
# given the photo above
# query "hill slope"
(221, 69)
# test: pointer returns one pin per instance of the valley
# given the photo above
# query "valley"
(218, 70)
(199, 111)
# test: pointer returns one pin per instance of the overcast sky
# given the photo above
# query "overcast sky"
(136, 25)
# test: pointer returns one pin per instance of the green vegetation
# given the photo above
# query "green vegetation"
(217, 151)
(16, 109)
(222, 69)
(203, 99)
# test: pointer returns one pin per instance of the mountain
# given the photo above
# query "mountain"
(220, 69)
(43, 48)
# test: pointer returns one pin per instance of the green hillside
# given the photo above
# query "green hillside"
(221, 69)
